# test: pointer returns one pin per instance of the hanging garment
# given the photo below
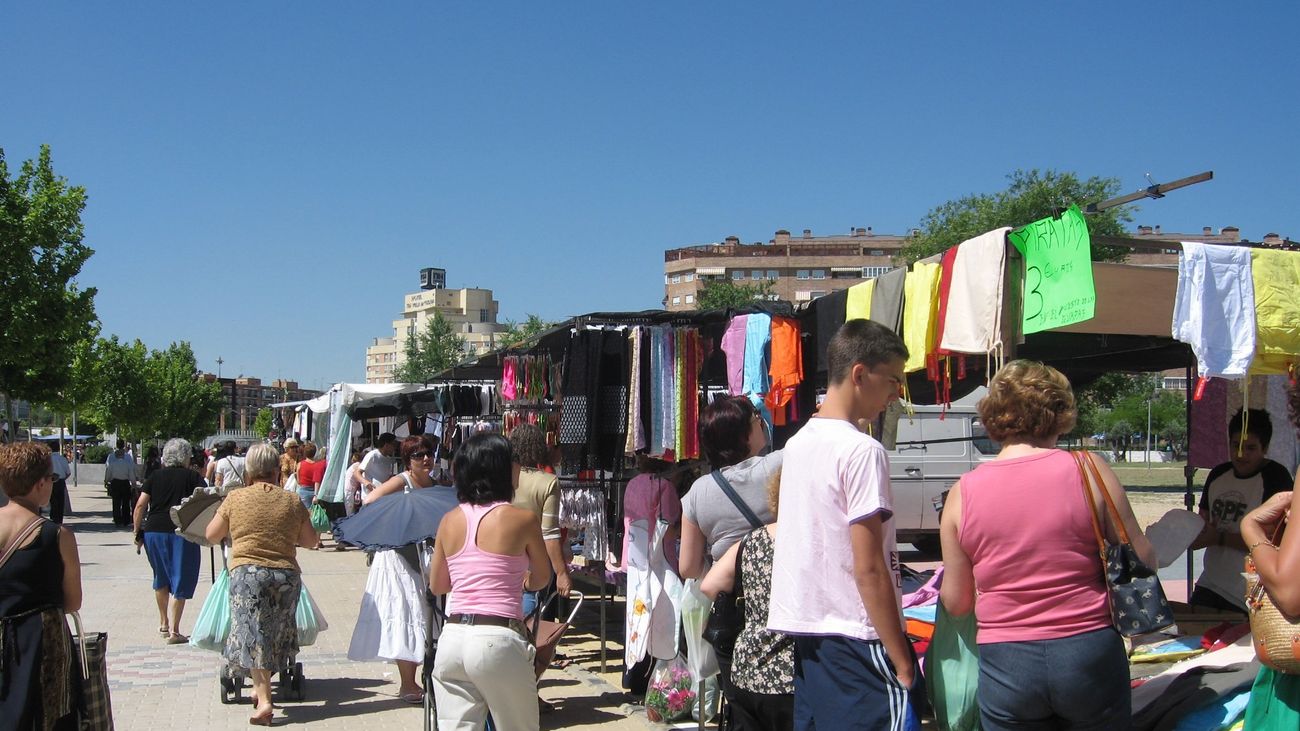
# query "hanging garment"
(635, 434)
(679, 383)
(609, 433)
(830, 312)
(887, 299)
(1214, 308)
(858, 304)
(758, 335)
(973, 320)
(690, 404)
(945, 286)
(656, 358)
(1276, 276)
(733, 347)
(920, 302)
(1283, 448)
(1209, 428)
(508, 379)
(787, 363)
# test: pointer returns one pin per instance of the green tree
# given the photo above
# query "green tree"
(1029, 196)
(43, 311)
(179, 403)
(430, 352)
(517, 333)
(262, 424)
(122, 402)
(722, 295)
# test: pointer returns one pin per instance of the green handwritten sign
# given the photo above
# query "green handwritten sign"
(1058, 271)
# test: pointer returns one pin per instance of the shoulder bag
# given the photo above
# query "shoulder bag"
(19, 538)
(1276, 635)
(727, 616)
(1137, 600)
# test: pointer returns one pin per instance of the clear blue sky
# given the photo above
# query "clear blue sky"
(266, 178)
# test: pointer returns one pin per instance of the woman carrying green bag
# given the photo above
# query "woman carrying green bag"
(265, 525)
(320, 521)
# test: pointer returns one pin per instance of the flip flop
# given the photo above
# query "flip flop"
(164, 631)
(412, 698)
(177, 639)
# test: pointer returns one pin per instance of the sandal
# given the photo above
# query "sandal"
(261, 720)
(177, 639)
(412, 698)
(164, 631)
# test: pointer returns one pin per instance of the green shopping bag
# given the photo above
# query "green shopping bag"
(308, 618)
(319, 520)
(213, 624)
(952, 672)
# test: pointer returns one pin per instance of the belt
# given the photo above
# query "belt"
(488, 620)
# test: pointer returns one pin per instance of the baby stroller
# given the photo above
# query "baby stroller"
(545, 635)
(232, 684)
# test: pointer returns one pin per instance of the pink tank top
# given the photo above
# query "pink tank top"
(1025, 525)
(484, 582)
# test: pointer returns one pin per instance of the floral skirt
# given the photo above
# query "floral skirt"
(263, 633)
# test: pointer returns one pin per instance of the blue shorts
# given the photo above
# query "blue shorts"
(307, 495)
(846, 683)
(175, 563)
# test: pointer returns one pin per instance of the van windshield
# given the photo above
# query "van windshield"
(980, 438)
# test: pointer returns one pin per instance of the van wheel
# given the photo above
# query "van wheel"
(928, 544)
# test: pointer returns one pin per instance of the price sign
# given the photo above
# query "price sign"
(1058, 271)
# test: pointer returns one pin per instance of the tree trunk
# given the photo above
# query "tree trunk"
(9, 417)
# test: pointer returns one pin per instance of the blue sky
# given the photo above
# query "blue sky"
(265, 179)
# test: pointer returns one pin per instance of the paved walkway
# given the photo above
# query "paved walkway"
(156, 686)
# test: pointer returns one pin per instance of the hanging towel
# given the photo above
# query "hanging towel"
(858, 306)
(973, 319)
(787, 363)
(1214, 307)
(733, 347)
(887, 299)
(945, 286)
(920, 300)
(758, 335)
(1276, 276)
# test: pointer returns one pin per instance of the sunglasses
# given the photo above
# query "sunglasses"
(422, 454)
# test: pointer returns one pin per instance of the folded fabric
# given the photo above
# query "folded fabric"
(1218, 715)
(973, 318)
(1178, 648)
(1214, 307)
(920, 303)
(924, 613)
(1276, 277)
(858, 306)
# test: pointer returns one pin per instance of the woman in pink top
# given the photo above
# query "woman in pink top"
(486, 553)
(1019, 549)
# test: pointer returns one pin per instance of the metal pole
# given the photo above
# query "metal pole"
(74, 446)
(1149, 399)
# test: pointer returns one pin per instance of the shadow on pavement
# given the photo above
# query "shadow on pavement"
(342, 698)
(583, 711)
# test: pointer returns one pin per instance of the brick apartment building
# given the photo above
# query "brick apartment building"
(244, 396)
(803, 268)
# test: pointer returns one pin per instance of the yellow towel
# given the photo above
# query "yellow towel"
(920, 313)
(1276, 277)
(859, 304)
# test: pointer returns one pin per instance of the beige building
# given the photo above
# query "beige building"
(798, 269)
(472, 313)
(803, 268)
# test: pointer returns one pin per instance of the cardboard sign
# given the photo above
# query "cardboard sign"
(1058, 271)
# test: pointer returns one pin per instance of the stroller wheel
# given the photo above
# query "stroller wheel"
(297, 683)
(230, 688)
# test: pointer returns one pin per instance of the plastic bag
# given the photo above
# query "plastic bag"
(701, 658)
(319, 520)
(710, 694)
(672, 691)
(952, 672)
(308, 618)
(213, 624)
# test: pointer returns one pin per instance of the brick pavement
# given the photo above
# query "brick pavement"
(155, 686)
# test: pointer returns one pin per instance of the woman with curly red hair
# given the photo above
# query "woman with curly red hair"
(1019, 549)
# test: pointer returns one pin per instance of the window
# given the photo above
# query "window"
(801, 274)
(772, 274)
(665, 279)
(738, 275)
(819, 274)
(802, 296)
(676, 278)
(483, 316)
(871, 272)
(690, 277)
(677, 300)
(877, 252)
(980, 438)
(690, 299)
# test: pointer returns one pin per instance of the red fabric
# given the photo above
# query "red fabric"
(1222, 635)
(946, 265)
(318, 471)
(307, 473)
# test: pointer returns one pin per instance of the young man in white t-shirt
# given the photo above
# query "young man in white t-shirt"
(835, 577)
(378, 466)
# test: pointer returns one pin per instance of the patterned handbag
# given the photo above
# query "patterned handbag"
(1137, 600)
(1276, 635)
(92, 652)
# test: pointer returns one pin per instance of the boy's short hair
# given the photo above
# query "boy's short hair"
(1258, 424)
(865, 342)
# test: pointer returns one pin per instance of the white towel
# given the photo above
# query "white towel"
(973, 322)
(1214, 309)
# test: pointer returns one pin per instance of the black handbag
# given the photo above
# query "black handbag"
(1137, 600)
(727, 616)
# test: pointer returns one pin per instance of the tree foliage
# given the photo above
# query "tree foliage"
(122, 399)
(1029, 196)
(722, 295)
(430, 352)
(517, 333)
(262, 424)
(43, 313)
(146, 394)
(1115, 406)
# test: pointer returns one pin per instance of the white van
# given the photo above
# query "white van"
(935, 447)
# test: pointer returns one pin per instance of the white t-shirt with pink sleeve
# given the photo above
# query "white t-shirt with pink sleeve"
(834, 475)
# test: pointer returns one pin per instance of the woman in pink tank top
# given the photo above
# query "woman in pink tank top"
(485, 555)
(1019, 549)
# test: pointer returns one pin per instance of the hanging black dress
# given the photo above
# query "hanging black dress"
(36, 666)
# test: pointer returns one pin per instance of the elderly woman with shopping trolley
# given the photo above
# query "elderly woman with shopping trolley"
(265, 525)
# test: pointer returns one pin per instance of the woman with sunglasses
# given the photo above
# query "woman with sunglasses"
(394, 610)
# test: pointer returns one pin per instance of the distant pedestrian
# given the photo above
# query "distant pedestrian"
(119, 477)
(175, 561)
(289, 464)
(229, 470)
(59, 498)
(378, 465)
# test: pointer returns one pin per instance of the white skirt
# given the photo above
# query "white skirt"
(394, 620)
